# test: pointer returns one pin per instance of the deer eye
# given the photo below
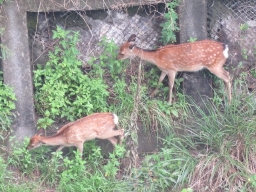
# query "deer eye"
(131, 46)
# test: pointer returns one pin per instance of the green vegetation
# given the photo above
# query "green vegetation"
(170, 26)
(215, 151)
(61, 88)
(7, 104)
(211, 150)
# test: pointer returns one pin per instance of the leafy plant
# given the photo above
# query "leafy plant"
(107, 59)
(73, 168)
(20, 156)
(244, 53)
(113, 71)
(61, 88)
(244, 26)
(170, 25)
(192, 39)
(7, 99)
(3, 168)
(112, 166)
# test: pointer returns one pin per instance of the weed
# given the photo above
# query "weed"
(244, 54)
(108, 58)
(244, 27)
(112, 166)
(3, 167)
(20, 157)
(112, 70)
(73, 168)
(170, 26)
(165, 170)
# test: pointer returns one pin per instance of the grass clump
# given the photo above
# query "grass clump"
(226, 138)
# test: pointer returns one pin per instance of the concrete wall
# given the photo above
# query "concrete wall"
(17, 70)
(192, 18)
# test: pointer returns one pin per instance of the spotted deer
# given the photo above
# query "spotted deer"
(189, 57)
(97, 125)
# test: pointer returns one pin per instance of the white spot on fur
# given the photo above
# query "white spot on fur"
(115, 119)
(225, 52)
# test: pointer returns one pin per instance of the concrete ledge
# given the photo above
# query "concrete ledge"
(68, 5)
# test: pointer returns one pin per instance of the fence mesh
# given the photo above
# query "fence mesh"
(234, 22)
(229, 21)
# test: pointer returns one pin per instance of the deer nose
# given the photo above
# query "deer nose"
(118, 57)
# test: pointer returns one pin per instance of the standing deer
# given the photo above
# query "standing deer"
(171, 59)
(98, 125)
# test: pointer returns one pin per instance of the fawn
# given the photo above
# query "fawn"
(97, 125)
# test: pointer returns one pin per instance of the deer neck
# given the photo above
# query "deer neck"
(146, 55)
(53, 140)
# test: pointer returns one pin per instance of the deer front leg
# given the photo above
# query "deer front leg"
(171, 77)
(161, 78)
(80, 148)
(60, 148)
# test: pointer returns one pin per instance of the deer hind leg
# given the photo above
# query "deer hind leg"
(112, 133)
(112, 140)
(161, 78)
(224, 75)
(121, 137)
(171, 77)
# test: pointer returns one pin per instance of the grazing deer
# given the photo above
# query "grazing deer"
(171, 59)
(98, 125)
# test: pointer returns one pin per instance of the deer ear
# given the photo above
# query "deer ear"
(131, 46)
(132, 38)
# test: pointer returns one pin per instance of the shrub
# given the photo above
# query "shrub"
(61, 88)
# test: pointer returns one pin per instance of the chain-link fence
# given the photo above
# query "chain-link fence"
(229, 21)
(116, 25)
(233, 21)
